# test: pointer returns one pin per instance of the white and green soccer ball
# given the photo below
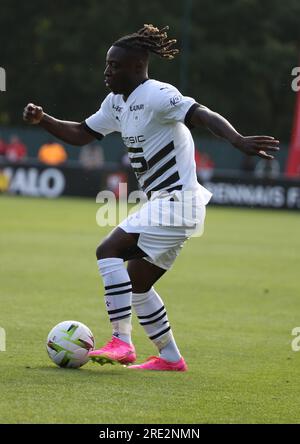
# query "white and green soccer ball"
(68, 344)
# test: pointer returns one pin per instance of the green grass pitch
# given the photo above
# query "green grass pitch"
(232, 299)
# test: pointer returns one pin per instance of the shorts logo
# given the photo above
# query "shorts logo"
(175, 100)
(136, 107)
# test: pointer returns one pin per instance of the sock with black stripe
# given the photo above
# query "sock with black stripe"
(118, 295)
(153, 318)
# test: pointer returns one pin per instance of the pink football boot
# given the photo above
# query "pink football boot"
(160, 364)
(114, 351)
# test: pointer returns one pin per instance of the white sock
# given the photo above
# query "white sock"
(153, 317)
(118, 294)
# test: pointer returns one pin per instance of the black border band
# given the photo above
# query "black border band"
(189, 115)
(98, 136)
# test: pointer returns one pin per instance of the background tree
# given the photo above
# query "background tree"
(239, 60)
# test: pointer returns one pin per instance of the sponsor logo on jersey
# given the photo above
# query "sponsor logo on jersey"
(117, 108)
(136, 107)
(174, 100)
(133, 139)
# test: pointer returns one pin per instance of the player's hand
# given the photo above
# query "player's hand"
(257, 145)
(33, 114)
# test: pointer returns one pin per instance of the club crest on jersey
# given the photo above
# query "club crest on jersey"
(136, 107)
(174, 100)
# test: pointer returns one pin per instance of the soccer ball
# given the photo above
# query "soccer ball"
(68, 344)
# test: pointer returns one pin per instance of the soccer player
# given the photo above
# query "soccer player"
(154, 120)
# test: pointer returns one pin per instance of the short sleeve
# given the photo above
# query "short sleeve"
(169, 105)
(103, 121)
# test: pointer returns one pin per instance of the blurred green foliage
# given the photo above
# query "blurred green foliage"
(238, 55)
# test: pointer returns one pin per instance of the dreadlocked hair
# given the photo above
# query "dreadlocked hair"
(150, 39)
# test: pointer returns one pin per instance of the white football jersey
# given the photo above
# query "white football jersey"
(152, 125)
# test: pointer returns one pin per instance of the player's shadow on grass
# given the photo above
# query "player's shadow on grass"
(99, 372)
(80, 373)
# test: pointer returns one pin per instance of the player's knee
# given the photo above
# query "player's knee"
(139, 287)
(99, 252)
(103, 251)
(106, 250)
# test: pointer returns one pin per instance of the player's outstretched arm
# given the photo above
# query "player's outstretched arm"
(217, 124)
(70, 132)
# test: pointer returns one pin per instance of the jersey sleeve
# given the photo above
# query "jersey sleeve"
(102, 122)
(169, 105)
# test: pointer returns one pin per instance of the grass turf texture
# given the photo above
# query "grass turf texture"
(232, 299)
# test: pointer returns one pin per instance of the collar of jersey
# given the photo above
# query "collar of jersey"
(132, 94)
